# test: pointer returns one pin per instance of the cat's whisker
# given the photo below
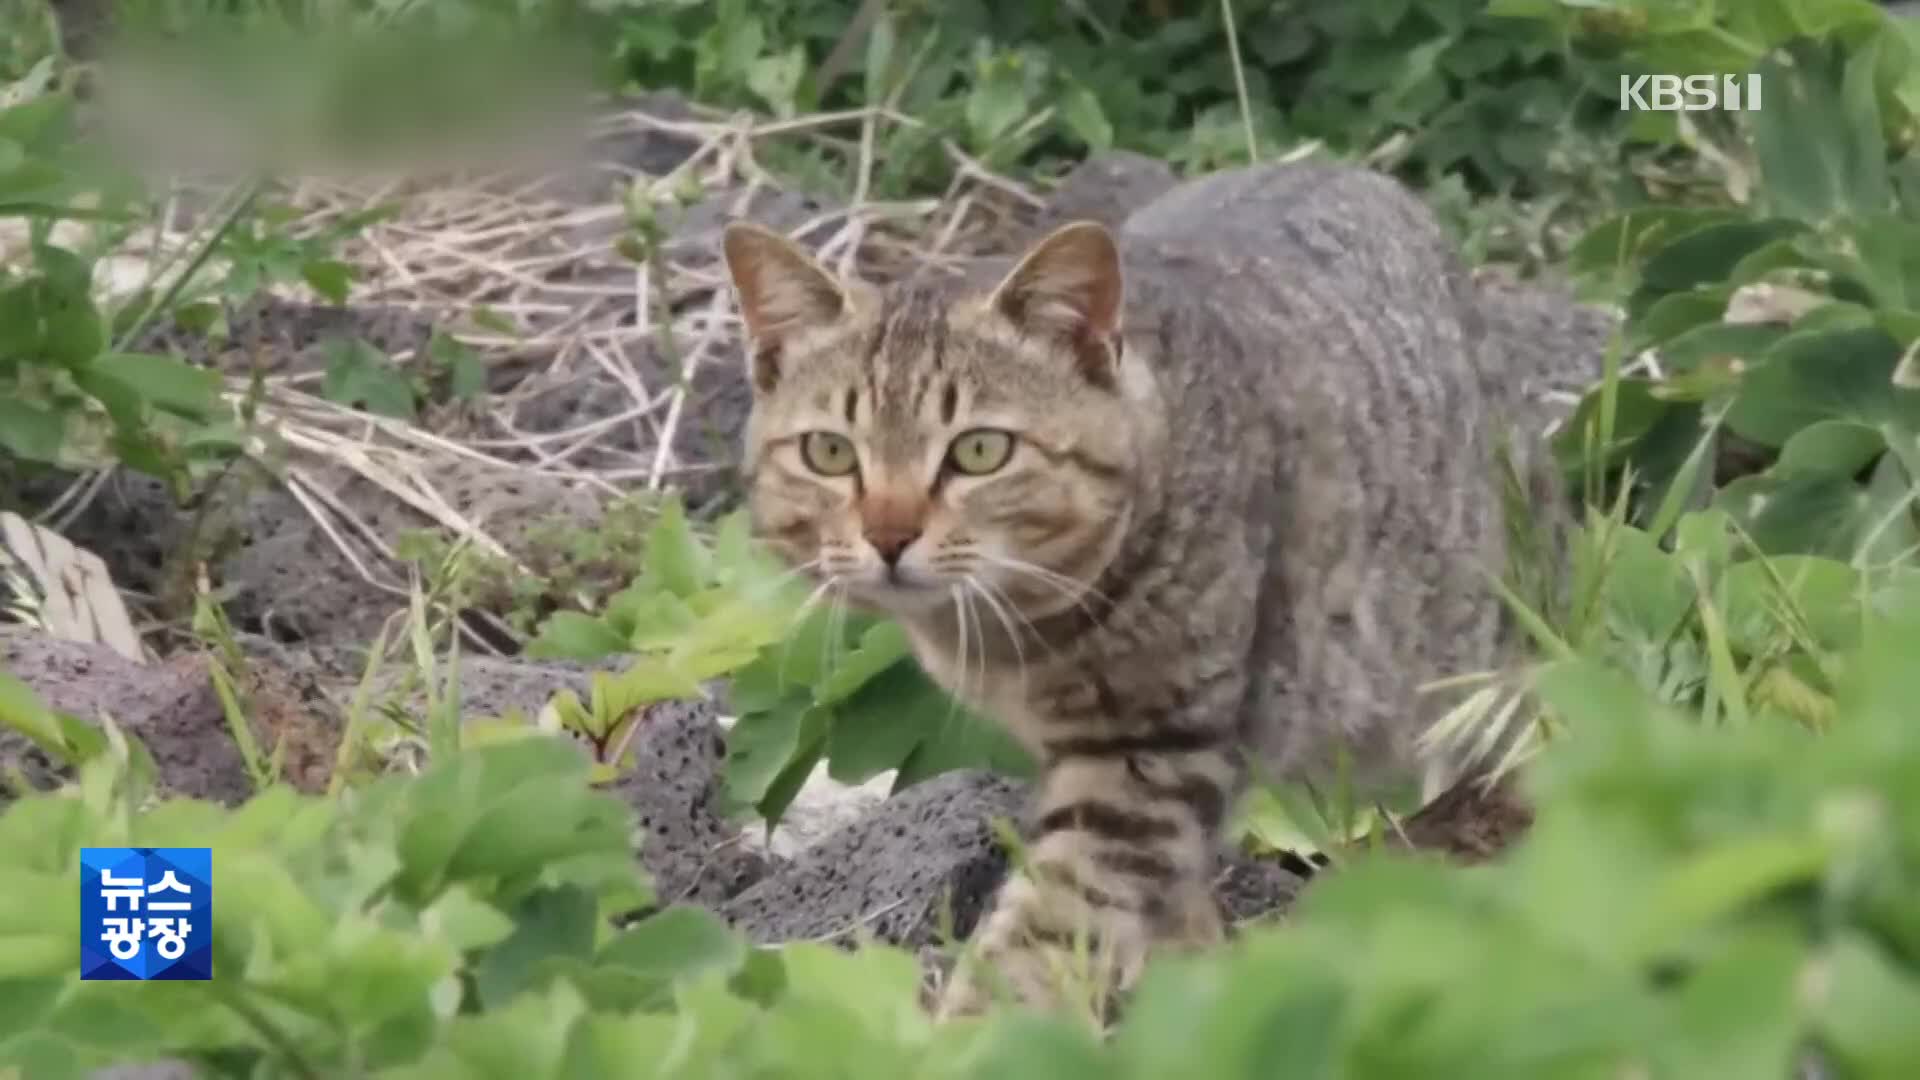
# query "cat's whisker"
(980, 650)
(837, 630)
(963, 641)
(1013, 610)
(1073, 591)
(1005, 618)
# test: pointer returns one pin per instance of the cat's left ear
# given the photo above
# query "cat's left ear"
(781, 291)
(1068, 289)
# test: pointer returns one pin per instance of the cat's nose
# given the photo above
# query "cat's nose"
(890, 541)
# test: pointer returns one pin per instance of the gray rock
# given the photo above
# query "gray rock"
(690, 849)
(897, 873)
(1249, 889)
(171, 708)
(1106, 188)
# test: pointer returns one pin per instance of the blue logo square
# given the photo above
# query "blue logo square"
(146, 913)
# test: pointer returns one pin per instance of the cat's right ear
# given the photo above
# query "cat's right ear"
(1068, 288)
(781, 290)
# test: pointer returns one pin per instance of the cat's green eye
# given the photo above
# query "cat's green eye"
(827, 453)
(980, 451)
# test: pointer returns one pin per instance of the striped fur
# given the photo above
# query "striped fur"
(1260, 506)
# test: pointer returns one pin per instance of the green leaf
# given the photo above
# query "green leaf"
(877, 728)
(1736, 1015)
(1675, 314)
(1706, 256)
(1887, 260)
(34, 432)
(330, 278)
(960, 739)
(361, 376)
(1822, 594)
(466, 921)
(1648, 589)
(879, 73)
(1864, 1005)
(641, 967)
(466, 370)
(68, 738)
(810, 745)
(1807, 515)
(1817, 136)
(1080, 110)
(1716, 343)
(571, 635)
(997, 102)
(759, 747)
(882, 647)
(1622, 243)
(776, 79)
(161, 381)
(1834, 449)
(675, 558)
(50, 318)
(1818, 375)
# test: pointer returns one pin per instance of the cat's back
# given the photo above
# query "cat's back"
(1320, 347)
(1310, 252)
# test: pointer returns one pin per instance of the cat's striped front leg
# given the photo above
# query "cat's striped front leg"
(1118, 863)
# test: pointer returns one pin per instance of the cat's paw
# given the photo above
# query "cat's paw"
(1042, 949)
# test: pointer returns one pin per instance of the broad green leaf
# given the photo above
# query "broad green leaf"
(1820, 594)
(1648, 592)
(466, 921)
(1817, 136)
(675, 558)
(876, 728)
(161, 381)
(1706, 256)
(810, 746)
(1715, 343)
(758, 747)
(775, 79)
(959, 739)
(50, 317)
(1834, 449)
(1801, 515)
(997, 102)
(881, 647)
(641, 967)
(551, 928)
(1675, 313)
(466, 369)
(34, 432)
(1736, 1015)
(571, 635)
(1622, 243)
(1864, 1004)
(1080, 110)
(1820, 375)
(360, 376)
(331, 278)
(23, 711)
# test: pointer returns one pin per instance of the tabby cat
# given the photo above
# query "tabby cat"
(1207, 498)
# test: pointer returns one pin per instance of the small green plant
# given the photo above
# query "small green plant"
(808, 681)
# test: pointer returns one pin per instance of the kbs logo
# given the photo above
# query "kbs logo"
(1692, 93)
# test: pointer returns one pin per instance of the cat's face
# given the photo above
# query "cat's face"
(926, 449)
